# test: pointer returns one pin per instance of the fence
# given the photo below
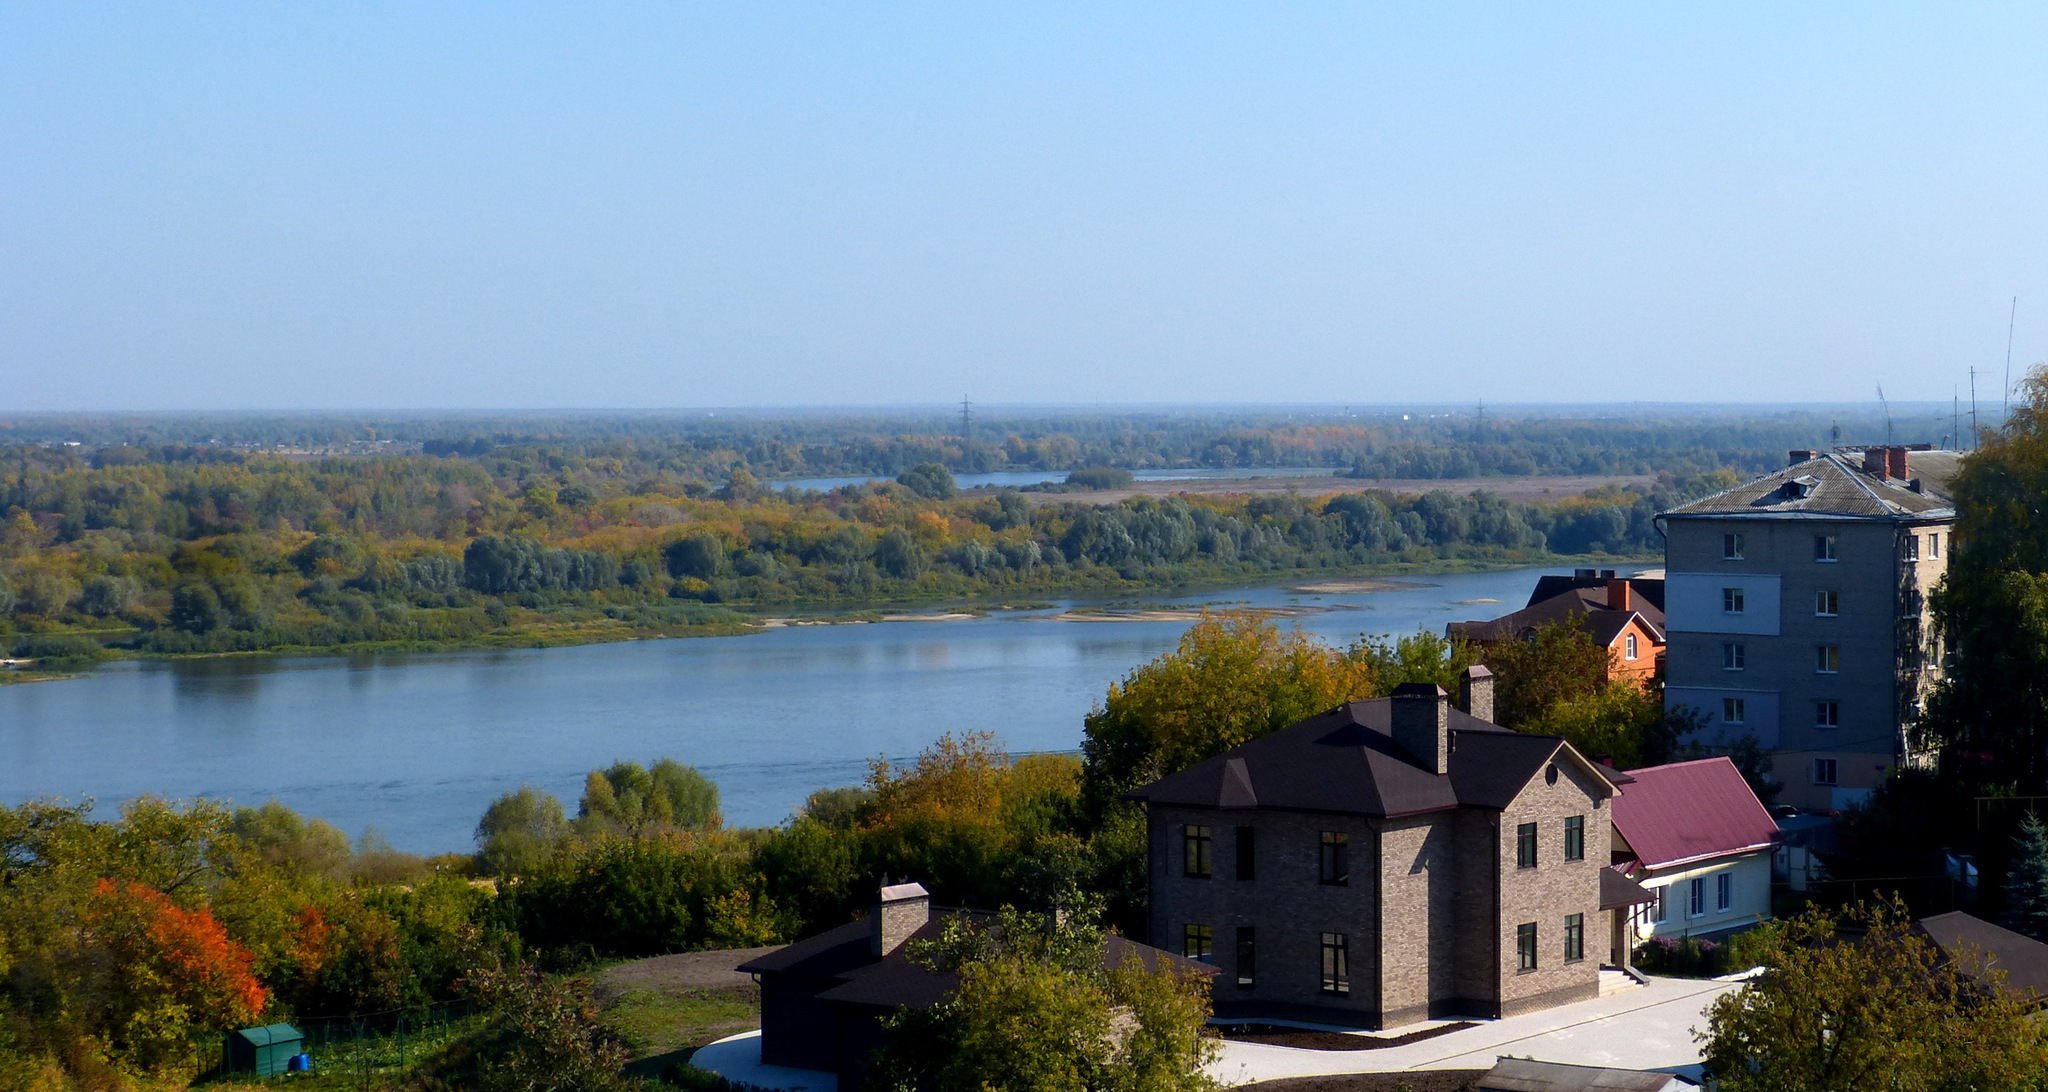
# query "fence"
(363, 1045)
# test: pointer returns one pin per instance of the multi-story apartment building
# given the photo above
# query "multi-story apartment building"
(1796, 611)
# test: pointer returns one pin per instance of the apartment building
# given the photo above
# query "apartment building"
(1796, 611)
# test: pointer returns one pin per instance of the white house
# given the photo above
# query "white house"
(1696, 837)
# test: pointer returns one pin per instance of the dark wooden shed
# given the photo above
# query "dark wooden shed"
(264, 1051)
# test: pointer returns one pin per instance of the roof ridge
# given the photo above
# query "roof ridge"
(1856, 476)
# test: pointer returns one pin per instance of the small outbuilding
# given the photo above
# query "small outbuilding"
(266, 1051)
(1523, 1075)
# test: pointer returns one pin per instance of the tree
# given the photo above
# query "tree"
(931, 481)
(1559, 663)
(546, 1034)
(1038, 1010)
(519, 831)
(633, 799)
(1862, 1001)
(196, 609)
(700, 555)
(174, 974)
(2026, 881)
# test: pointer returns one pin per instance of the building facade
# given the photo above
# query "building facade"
(1796, 611)
(1700, 842)
(1387, 862)
(1623, 614)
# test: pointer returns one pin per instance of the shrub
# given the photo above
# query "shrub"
(1101, 477)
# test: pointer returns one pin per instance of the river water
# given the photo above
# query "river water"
(1017, 478)
(418, 745)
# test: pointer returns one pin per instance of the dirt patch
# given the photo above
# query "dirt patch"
(1304, 1039)
(703, 970)
(1515, 489)
(1419, 1080)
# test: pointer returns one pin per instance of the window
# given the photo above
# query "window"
(1827, 659)
(1734, 656)
(1724, 892)
(1934, 545)
(1245, 860)
(1574, 937)
(1823, 547)
(1525, 846)
(1734, 710)
(1336, 963)
(1731, 547)
(1827, 714)
(1659, 908)
(1336, 858)
(1525, 946)
(1824, 771)
(1912, 547)
(1247, 956)
(1731, 600)
(1574, 837)
(1697, 904)
(1196, 846)
(1827, 603)
(1629, 647)
(1198, 942)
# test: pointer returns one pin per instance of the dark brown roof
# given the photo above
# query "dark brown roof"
(1346, 762)
(2023, 959)
(1643, 589)
(1827, 486)
(1602, 623)
(847, 954)
(1617, 890)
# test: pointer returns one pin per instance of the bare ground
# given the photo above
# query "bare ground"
(1515, 489)
(665, 1007)
(1420, 1080)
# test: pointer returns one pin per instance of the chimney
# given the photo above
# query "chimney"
(1608, 574)
(1895, 463)
(1874, 462)
(1422, 724)
(1582, 574)
(1796, 456)
(903, 909)
(1618, 596)
(1476, 692)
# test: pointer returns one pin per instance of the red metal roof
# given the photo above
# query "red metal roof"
(1690, 811)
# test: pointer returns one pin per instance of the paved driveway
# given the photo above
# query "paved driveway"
(1649, 1027)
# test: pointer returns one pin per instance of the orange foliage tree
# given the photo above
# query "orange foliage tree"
(174, 973)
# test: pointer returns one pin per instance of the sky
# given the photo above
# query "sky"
(597, 205)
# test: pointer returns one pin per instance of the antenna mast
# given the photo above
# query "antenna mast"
(1973, 407)
(1887, 414)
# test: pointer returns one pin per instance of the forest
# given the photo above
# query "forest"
(179, 549)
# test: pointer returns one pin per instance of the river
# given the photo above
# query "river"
(417, 745)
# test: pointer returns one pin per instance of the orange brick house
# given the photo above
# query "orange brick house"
(1625, 615)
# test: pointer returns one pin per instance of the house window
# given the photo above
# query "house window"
(1734, 656)
(1827, 714)
(1824, 771)
(1912, 547)
(1659, 907)
(1629, 647)
(1574, 837)
(1247, 956)
(1934, 545)
(1697, 904)
(1724, 892)
(1731, 547)
(1827, 659)
(1196, 846)
(1574, 937)
(1336, 963)
(1245, 858)
(1336, 858)
(1824, 547)
(1525, 846)
(1734, 710)
(1525, 946)
(1731, 600)
(1827, 603)
(1198, 942)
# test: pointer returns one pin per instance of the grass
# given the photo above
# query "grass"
(385, 1062)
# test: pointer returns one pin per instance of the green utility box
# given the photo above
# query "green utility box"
(264, 1051)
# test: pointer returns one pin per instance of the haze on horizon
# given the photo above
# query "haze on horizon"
(243, 206)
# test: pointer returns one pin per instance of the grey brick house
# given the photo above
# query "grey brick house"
(1390, 861)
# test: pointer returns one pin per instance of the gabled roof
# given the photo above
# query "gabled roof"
(1691, 811)
(1346, 762)
(1646, 586)
(1603, 623)
(2023, 959)
(1828, 486)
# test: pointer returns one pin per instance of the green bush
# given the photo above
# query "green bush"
(1101, 477)
(59, 649)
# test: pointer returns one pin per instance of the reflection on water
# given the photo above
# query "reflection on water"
(418, 744)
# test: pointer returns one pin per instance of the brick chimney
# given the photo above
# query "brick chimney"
(1895, 463)
(1422, 724)
(1618, 597)
(1797, 455)
(1476, 692)
(1875, 463)
(903, 909)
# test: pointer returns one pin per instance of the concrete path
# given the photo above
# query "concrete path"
(1645, 1028)
(737, 1058)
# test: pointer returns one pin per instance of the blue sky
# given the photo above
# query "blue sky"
(594, 205)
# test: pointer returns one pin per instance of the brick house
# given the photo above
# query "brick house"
(1622, 614)
(1389, 861)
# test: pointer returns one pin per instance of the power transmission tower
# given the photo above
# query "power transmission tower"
(1973, 407)
(966, 418)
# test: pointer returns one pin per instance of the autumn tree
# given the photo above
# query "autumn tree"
(170, 975)
(520, 829)
(1862, 1001)
(630, 798)
(1559, 664)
